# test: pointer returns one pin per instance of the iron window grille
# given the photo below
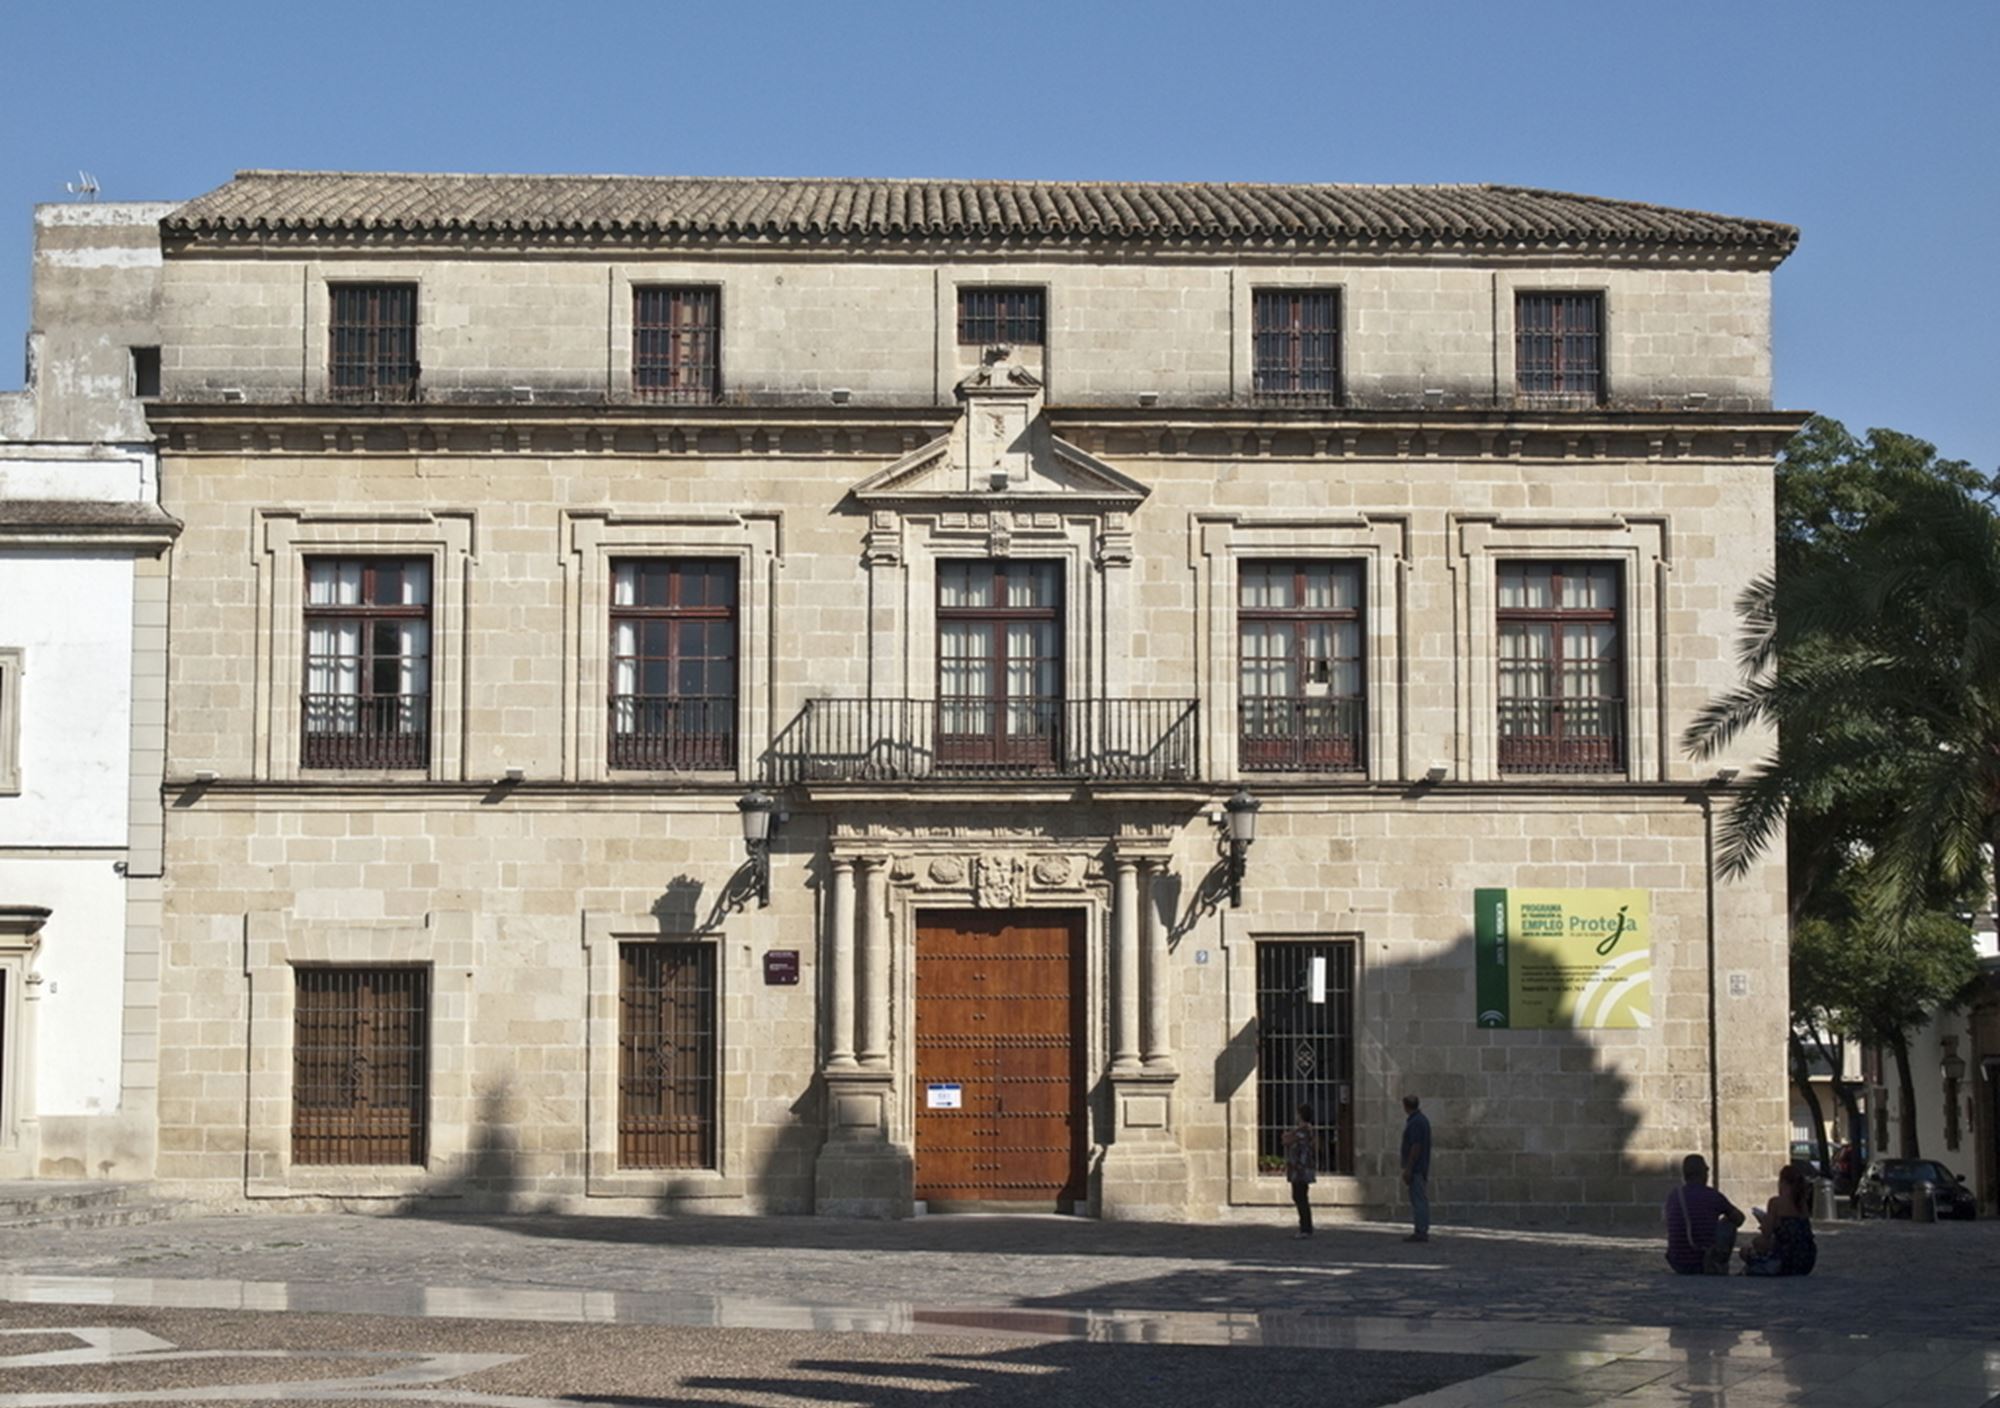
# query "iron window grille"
(367, 701)
(1305, 1051)
(1295, 346)
(1561, 670)
(360, 1065)
(1302, 697)
(673, 664)
(1000, 692)
(373, 350)
(666, 1055)
(990, 316)
(677, 344)
(1559, 346)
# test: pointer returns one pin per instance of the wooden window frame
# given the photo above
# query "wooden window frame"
(710, 743)
(1284, 369)
(677, 343)
(405, 749)
(650, 1134)
(1003, 315)
(997, 746)
(372, 341)
(1298, 750)
(1569, 378)
(354, 1135)
(1560, 751)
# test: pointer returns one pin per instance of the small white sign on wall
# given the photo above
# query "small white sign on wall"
(1316, 981)
(943, 1097)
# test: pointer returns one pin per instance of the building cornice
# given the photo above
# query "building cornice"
(873, 433)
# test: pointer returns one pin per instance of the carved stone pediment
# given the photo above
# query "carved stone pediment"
(1000, 452)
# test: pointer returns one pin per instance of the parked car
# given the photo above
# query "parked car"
(1803, 1153)
(1889, 1186)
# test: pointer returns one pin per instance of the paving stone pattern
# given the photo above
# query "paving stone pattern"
(1873, 1278)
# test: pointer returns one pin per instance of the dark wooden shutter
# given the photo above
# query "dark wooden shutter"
(360, 1065)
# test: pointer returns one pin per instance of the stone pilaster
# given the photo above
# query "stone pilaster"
(873, 931)
(860, 1172)
(1155, 973)
(1144, 1174)
(840, 969)
(1125, 965)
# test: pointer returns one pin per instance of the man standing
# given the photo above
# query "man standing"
(1417, 1167)
(1701, 1223)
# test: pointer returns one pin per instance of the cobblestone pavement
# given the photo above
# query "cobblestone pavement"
(955, 1312)
(1873, 1277)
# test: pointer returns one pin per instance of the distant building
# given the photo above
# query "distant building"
(83, 621)
(986, 539)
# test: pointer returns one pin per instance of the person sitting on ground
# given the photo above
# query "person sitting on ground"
(1785, 1245)
(1701, 1223)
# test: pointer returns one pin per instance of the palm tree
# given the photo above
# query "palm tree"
(1880, 671)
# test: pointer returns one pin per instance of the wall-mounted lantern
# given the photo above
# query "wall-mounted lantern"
(1241, 822)
(759, 811)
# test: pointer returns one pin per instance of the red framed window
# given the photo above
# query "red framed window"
(367, 701)
(1302, 698)
(1295, 345)
(1562, 670)
(1559, 345)
(1000, 666)
(677, 343)
(990, 316)
(372, 353)
(673, 663)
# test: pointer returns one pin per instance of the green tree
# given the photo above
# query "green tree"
(1878, 985)
(1874, 651)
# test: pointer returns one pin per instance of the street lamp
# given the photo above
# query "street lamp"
(1952, 1068)
(759, 811)
(1242, 825)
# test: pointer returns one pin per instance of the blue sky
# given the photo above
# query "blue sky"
(1873, 127)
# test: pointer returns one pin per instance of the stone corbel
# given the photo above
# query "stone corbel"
(883, 545)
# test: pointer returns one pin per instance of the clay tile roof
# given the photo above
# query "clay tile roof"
(269, 202)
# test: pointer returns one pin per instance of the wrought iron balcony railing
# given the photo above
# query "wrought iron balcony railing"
(1566, 735)
(365, 730)
(961, 739)
(672, 732)
(1302, 735)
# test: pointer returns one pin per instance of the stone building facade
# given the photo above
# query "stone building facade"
(987, 539)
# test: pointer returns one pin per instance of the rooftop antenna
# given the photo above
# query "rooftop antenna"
(84, 185)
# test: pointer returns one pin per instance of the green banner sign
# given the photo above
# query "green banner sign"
(1563, 958)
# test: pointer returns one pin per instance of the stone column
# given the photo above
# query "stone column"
(840, 968)
(1159, 1045)
(1125, 966)
(873, 1026)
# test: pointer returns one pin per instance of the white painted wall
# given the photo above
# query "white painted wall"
(78, 1022)
(70, 613)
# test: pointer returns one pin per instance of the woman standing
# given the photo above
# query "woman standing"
(1302, 1167)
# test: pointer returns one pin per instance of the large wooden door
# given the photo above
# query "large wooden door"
(999, 1016)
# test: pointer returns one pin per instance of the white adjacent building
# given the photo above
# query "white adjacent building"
(82, 707)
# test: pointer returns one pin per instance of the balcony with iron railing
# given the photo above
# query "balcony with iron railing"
(389, 731)
(1283, 734)
(986, 739)
(672, 733)
(1562, 735)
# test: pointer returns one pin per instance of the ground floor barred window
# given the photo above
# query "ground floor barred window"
(1305, 1049)
(666, 1055)
(360, 1065)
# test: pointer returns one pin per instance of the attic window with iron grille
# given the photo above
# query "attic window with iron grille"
(994, 317)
